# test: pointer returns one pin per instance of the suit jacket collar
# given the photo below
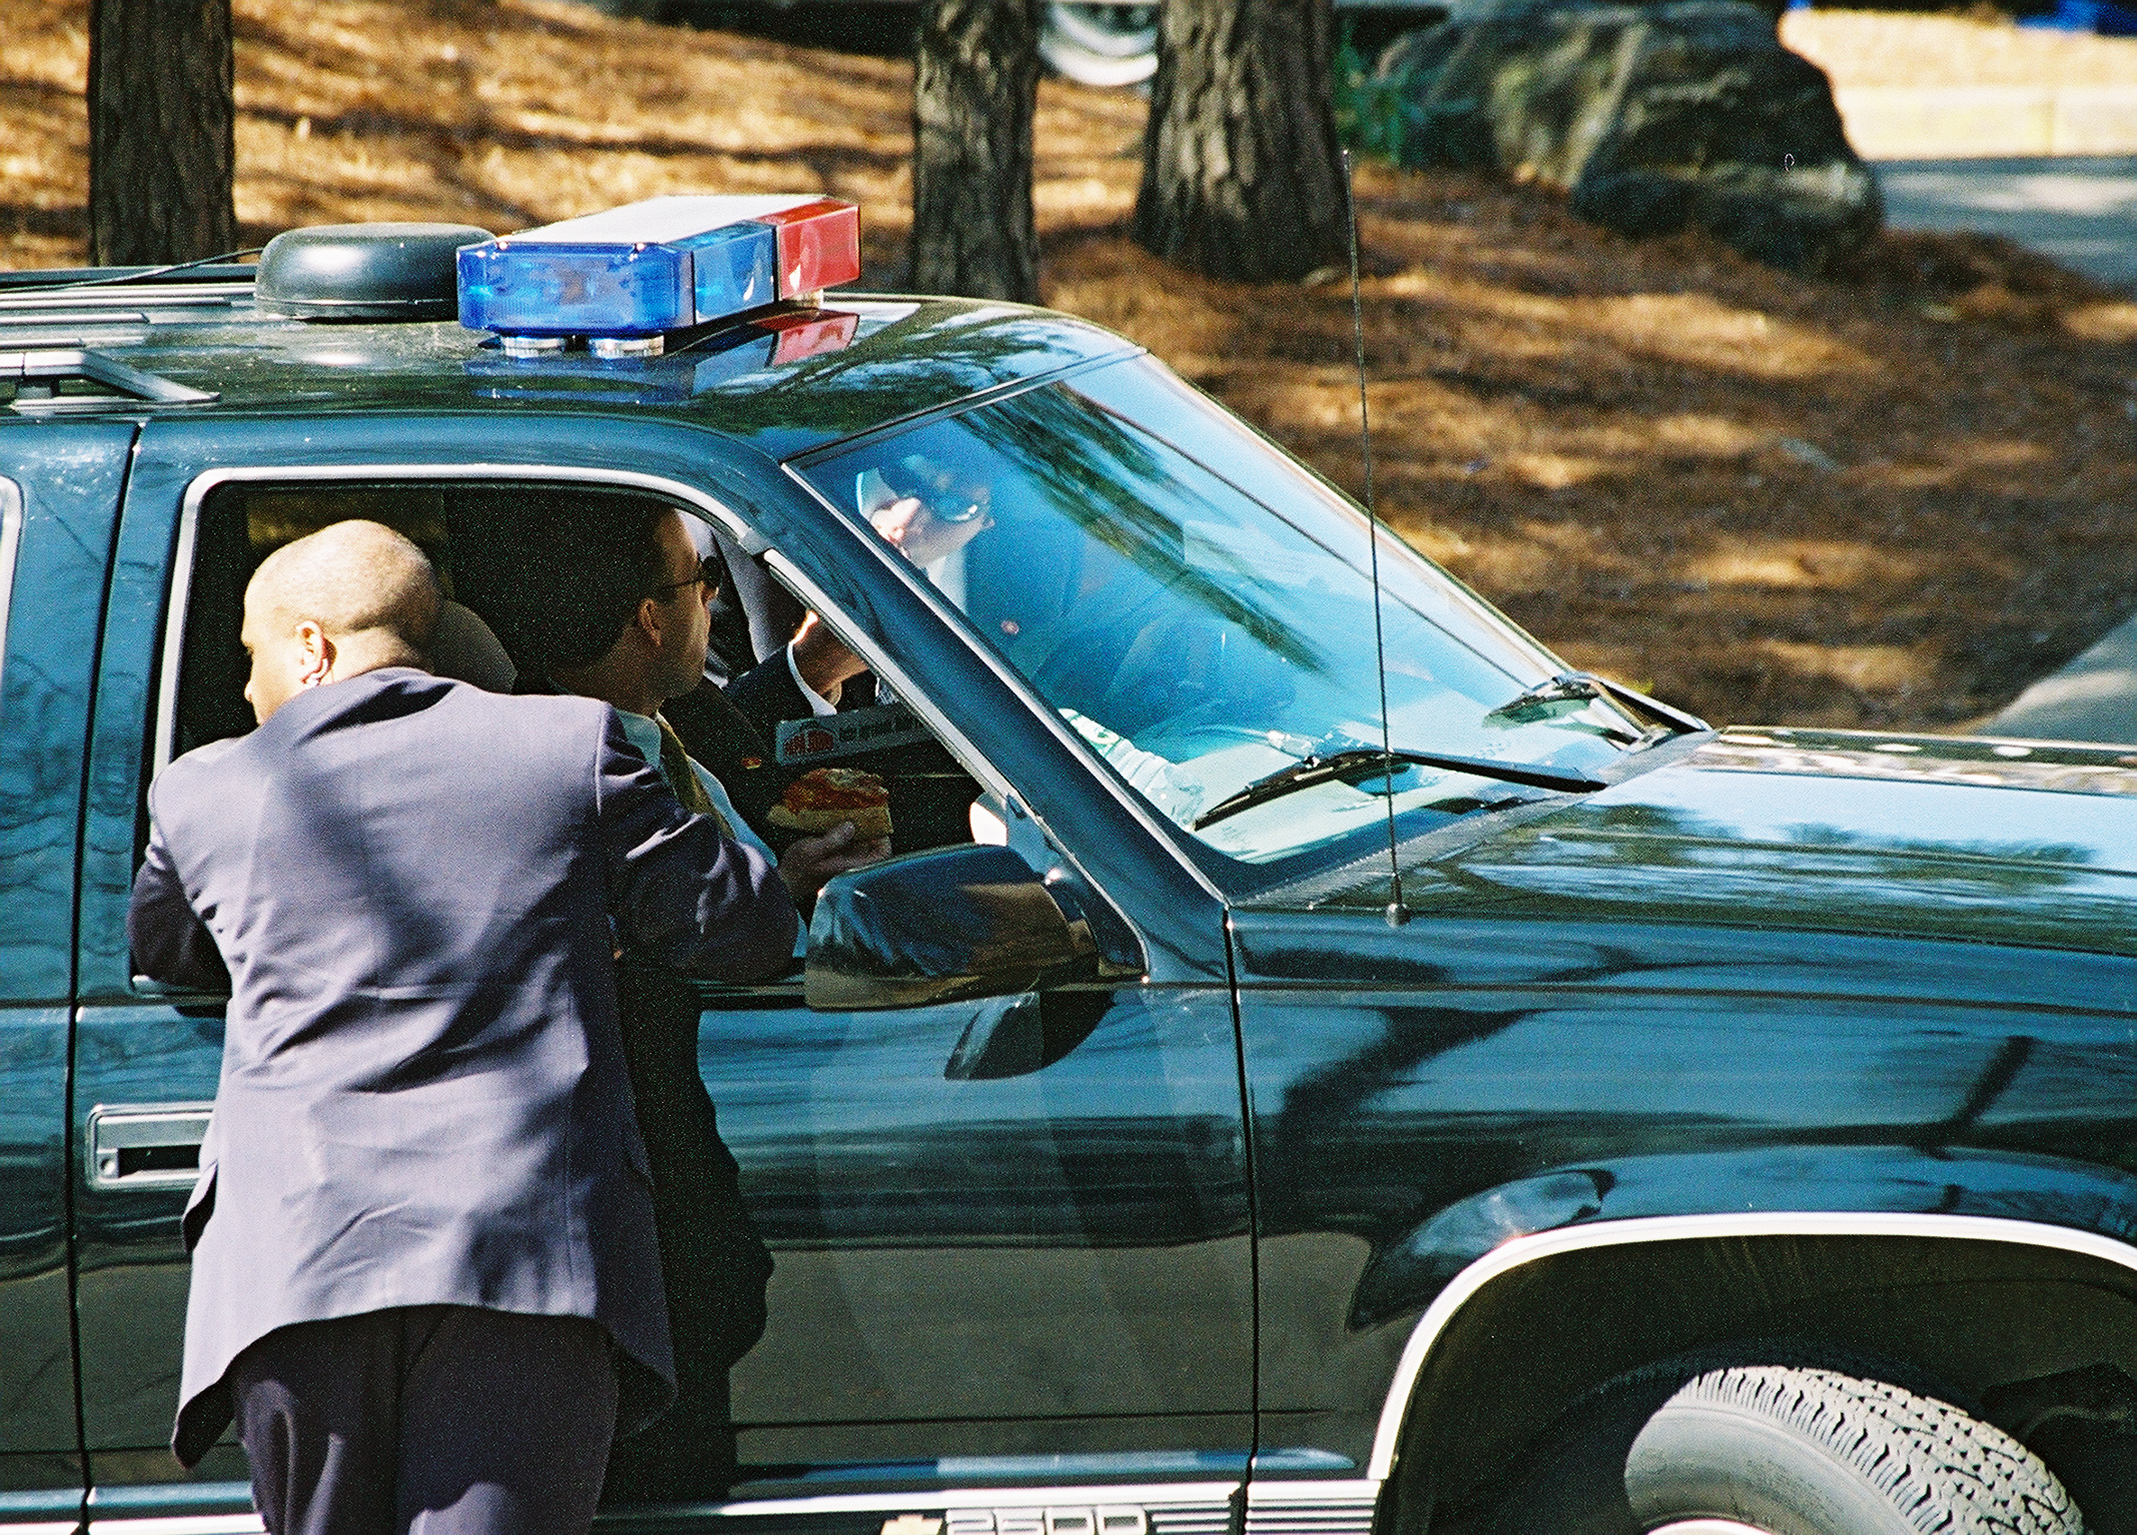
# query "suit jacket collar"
(381, 693)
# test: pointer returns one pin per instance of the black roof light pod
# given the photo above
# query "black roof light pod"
(364, 272)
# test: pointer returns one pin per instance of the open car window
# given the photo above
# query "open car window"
(1203, 618)
(508, 553)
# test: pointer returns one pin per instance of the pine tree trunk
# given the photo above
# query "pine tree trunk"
(162, 131)
(1241, 177)
(974, 86)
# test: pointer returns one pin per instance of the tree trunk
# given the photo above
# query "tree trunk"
(162, 131)
(1241, 177)
(974, 85)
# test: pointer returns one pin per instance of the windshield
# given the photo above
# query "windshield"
(1199, 609)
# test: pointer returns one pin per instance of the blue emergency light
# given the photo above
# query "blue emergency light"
(624, 278)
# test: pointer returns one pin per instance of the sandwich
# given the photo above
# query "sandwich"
(823, 797)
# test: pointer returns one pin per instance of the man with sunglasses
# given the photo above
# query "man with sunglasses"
(630, 628)
(928, 511)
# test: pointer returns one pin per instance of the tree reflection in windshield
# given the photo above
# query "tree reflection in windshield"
(1198, 637)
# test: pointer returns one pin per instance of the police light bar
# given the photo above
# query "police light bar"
(624, 278)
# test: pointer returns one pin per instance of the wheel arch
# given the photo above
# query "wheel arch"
(1962, 1304)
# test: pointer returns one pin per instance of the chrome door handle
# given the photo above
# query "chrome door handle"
(146, 1145)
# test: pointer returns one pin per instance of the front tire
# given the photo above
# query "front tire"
(1797, 1451)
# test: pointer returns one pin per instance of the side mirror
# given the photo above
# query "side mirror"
(937, 926)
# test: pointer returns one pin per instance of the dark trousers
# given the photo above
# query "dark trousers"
(711, 1262)
(428, 1420)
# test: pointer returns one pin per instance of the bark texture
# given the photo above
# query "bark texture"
(162, 131)
(975, 82)
(1241, 176)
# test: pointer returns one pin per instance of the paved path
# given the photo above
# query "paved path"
(2080, 210)
(1967, 122)
(2094, 698)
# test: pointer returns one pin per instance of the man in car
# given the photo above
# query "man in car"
(425, 1278)
(926, 511)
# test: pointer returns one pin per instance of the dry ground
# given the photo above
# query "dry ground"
(1886, 499)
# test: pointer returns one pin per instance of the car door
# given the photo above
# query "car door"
(59, 498)
(1018, 1282)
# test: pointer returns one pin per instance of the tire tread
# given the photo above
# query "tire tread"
(1945, 1472)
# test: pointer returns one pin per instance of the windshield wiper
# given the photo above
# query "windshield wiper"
(1364, 761)
(1587, 685)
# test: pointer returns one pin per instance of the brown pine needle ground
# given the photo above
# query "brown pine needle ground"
(1889, 499)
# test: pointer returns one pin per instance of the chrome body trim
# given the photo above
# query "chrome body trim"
(1151, 1496)
(1177, 1508)
(1274, 1490)
(1521, 1251)
(1312, 1508)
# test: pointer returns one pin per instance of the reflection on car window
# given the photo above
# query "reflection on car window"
(1197, 636)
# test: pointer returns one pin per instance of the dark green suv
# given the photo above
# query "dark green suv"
(1714, 1131)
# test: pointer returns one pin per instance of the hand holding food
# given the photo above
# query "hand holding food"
(823, 797)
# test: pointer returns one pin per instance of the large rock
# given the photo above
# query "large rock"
(1649, 117)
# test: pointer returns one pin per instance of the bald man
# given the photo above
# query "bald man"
(425, 1275)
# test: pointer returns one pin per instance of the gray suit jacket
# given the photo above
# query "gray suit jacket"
(423, 1100)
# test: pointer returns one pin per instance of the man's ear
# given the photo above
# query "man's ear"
(315, 650)
(648, 620)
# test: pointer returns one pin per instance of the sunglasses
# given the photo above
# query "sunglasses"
(922, 481)
(953, 508)
(708, 572)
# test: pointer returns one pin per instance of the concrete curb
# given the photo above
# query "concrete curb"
(1975, 121)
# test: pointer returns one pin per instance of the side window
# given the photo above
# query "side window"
(512, 555)
(519, 562)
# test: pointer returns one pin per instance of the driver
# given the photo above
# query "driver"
(928, 511)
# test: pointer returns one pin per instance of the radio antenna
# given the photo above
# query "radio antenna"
(1397, 913)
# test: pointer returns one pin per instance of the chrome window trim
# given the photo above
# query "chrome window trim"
(174, 628)
(43, 1527)
(178, 1524)
(1521, 1251)
(201, 487)
(11, 503)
